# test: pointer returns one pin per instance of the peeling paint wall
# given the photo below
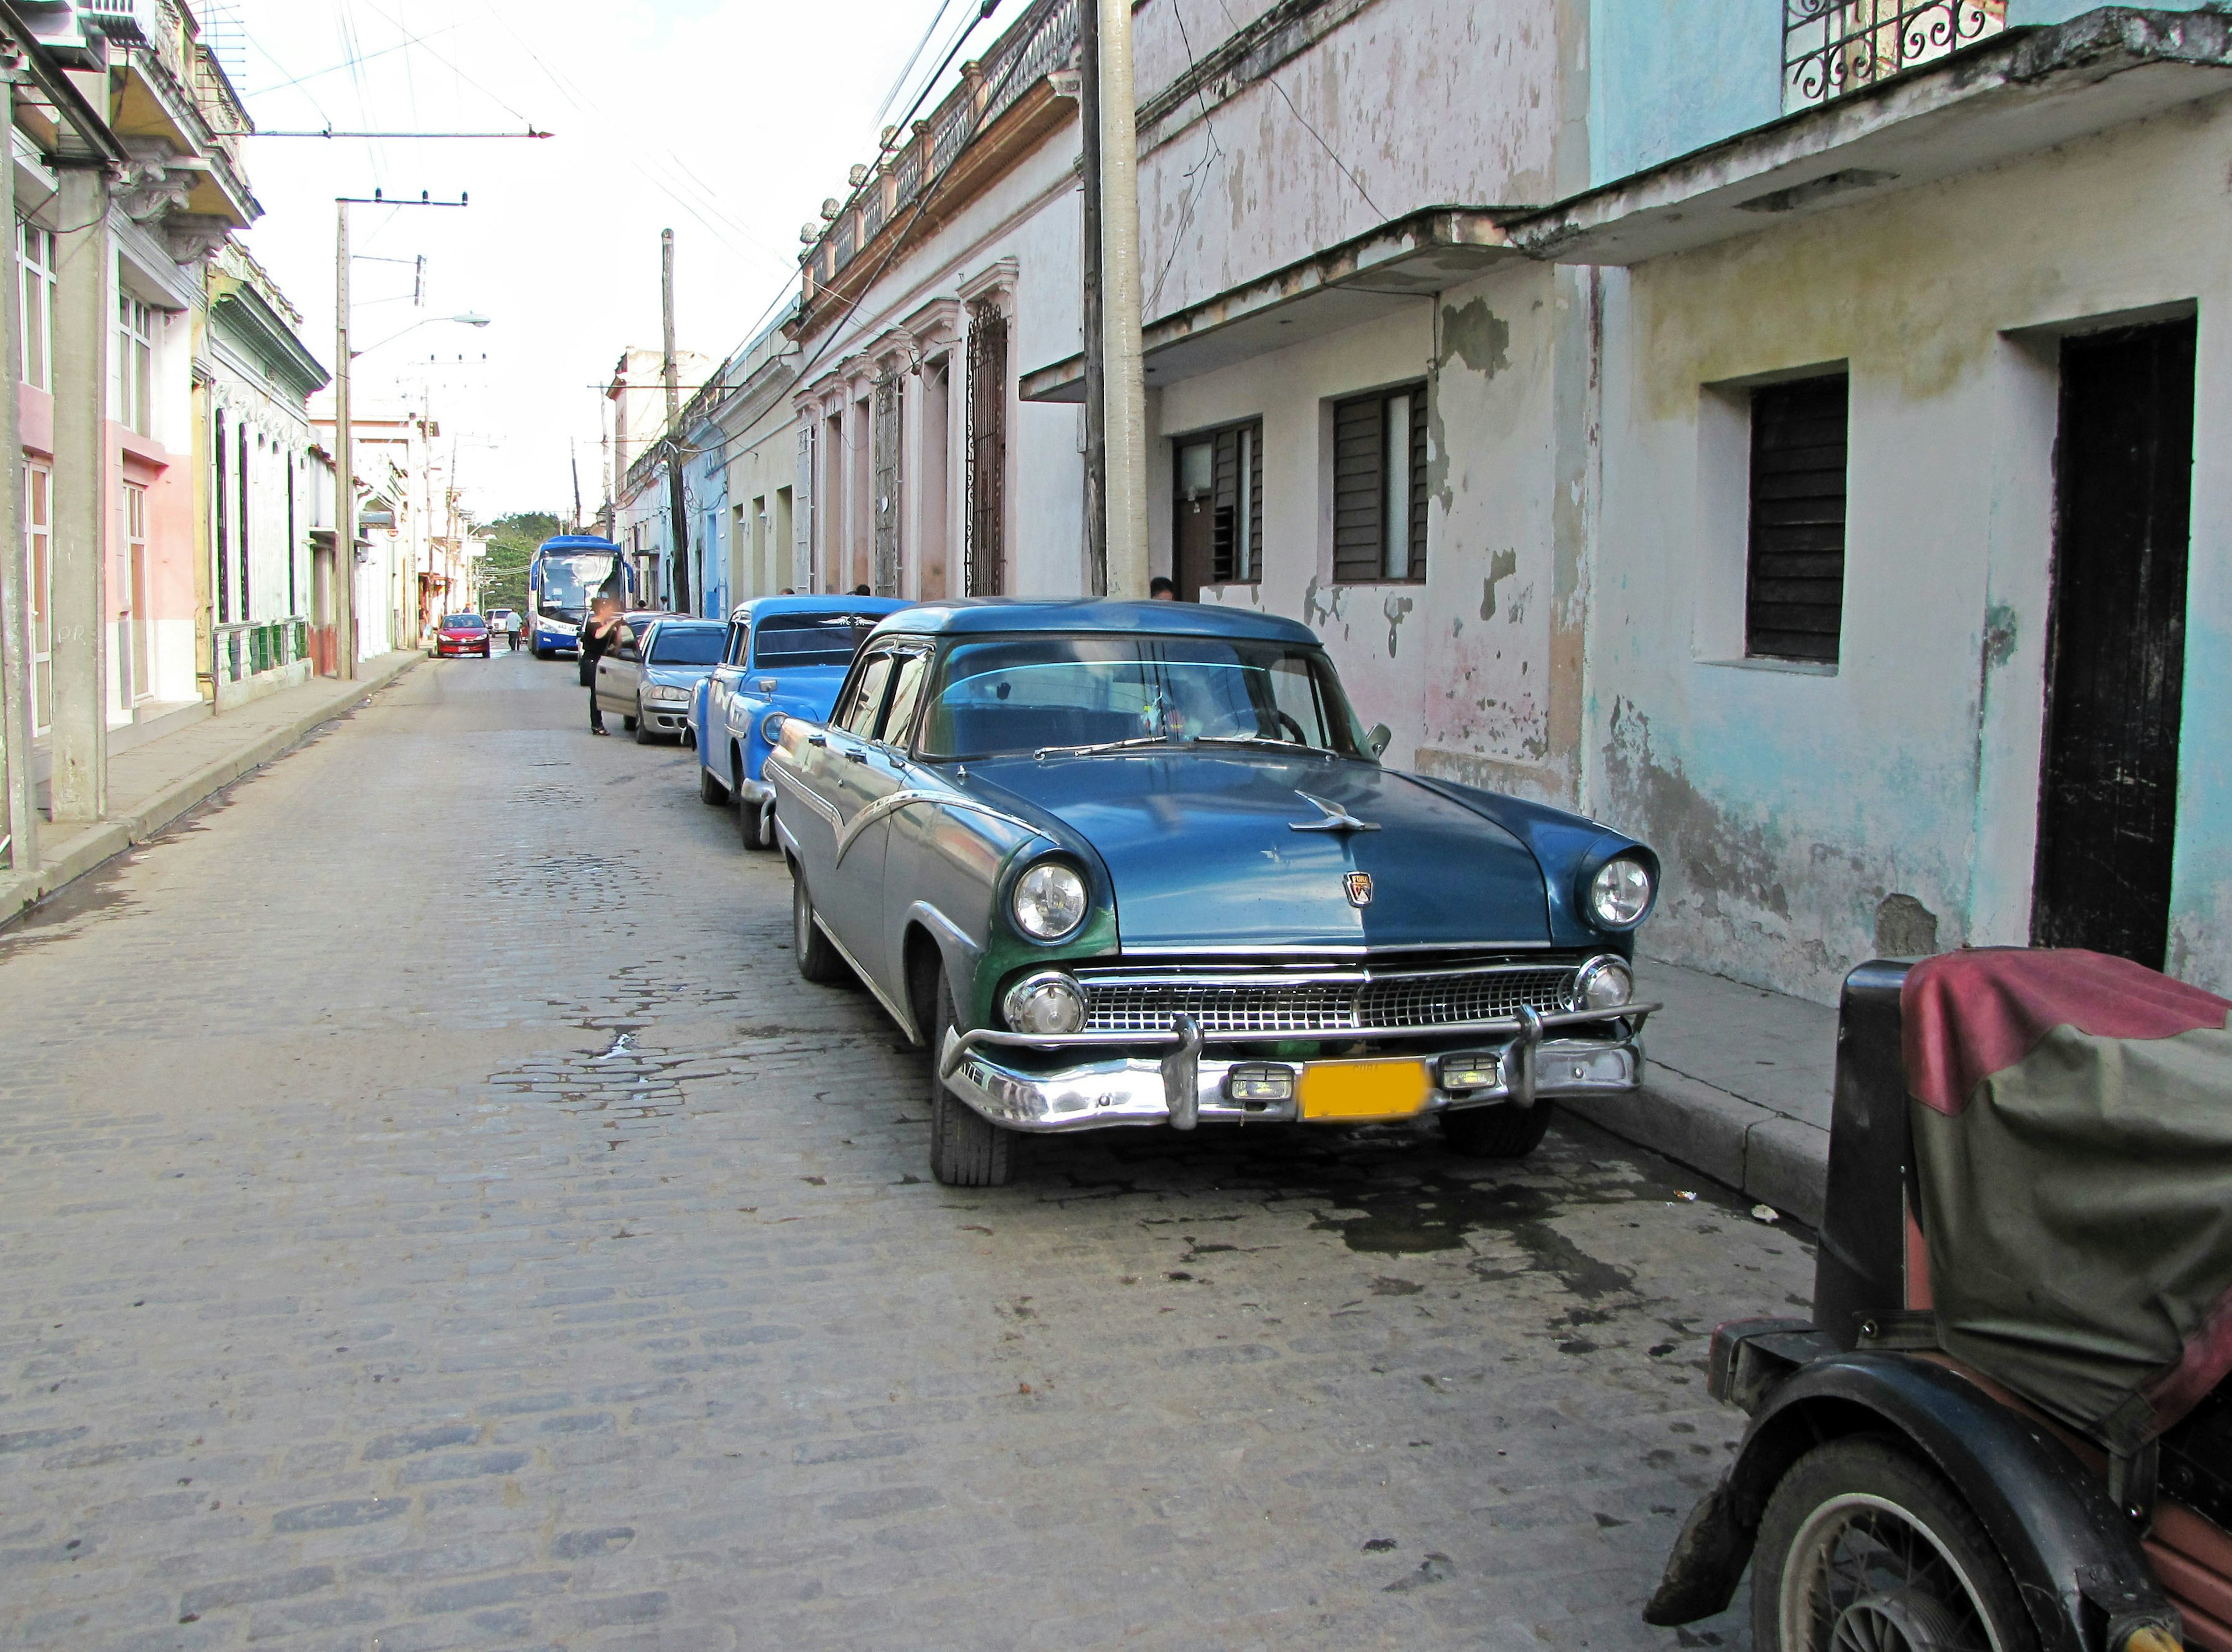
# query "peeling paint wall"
(1807, 816)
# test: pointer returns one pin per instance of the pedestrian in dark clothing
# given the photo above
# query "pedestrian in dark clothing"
(862, 591)
(605, 632)
(1161, 590)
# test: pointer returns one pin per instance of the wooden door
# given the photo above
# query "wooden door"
(1193, 535)
(2116, 647)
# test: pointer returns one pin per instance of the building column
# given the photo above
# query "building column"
(83, 318)
(23, 810)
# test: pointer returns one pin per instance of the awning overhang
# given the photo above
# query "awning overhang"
(2017, 94)
(1360, 280)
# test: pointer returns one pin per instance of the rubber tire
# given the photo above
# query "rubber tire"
(966, 1148)
(641, 724)
(748, 828)
(818, 960)
(1881, 1468)
(1499, 1132)
(628, 725)
(711, 791)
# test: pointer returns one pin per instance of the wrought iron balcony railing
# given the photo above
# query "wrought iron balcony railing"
(1832, 46)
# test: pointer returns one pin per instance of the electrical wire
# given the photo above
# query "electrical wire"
(1347, 171)
(1197, 175)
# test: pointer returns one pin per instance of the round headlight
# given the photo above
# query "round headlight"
(1620, 893)
(1603, 983)
(771, 727)
(1045, 1003)
(1049, 901)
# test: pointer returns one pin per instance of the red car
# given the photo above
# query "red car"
(461, 634)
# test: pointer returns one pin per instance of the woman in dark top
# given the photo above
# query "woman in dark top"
(604, 632)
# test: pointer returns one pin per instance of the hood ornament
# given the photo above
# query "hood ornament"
(1336, 818)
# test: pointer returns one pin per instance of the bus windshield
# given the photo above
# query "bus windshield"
(569, 579)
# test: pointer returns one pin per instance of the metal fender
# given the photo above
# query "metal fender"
(955, 950)
(2075, 1557)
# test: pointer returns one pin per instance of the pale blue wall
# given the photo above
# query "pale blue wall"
(1669, 76)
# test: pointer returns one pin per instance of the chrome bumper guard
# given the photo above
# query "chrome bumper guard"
(1181, 1089)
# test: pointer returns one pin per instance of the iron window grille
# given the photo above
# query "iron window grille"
(1832, 46)
(987, 470)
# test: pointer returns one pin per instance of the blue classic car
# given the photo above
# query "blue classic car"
(783, 657)
(1136, 864)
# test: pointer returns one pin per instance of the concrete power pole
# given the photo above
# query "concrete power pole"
(1096, 408)
(21, 813)
(678, 537)
(1124, 382)
(343, 584)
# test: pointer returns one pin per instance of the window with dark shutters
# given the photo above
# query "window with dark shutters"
(1379, 487)
(1239, 505)
(1794, 588)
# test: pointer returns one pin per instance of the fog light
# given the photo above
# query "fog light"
(1603, 983)
(1472, 1070)
(1045, 1003)
(1260, 1081)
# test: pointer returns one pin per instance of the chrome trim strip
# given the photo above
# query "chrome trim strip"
(814, 800)
(1334, 950)
(892, 802)
(1115, 975)
(906, 1020)
(985, 1035)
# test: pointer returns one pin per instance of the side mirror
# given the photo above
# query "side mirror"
(1378, 741)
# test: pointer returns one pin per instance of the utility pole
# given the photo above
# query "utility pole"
(344, 580)
(1125, 385)
(1096, 411)
(574, 458)
(679, 536)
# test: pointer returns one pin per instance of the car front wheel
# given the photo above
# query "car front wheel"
(1503, 1132)
(641, 724)
(751, 825)
(711, 791)
(966, 1148)
(1863, 1546)
(819, 960)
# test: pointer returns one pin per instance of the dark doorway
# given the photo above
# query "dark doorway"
(1193, 537)
(2116, 649)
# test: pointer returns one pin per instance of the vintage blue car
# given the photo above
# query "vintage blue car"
(1136, 864)
(783, 657)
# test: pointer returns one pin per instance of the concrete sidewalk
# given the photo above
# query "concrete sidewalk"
(154, 782)
(1737, 1085)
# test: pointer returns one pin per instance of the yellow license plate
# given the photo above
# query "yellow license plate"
(1350, 1090)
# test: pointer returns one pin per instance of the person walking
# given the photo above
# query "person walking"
(605, 632)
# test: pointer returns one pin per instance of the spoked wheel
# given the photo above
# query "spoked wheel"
(1503, 1132)
(1863, 1549)
(818, 960)
(966, 1148)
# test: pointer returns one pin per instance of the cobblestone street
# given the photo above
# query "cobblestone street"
(434, 1213)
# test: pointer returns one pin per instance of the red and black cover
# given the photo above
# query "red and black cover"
(2073, 1132)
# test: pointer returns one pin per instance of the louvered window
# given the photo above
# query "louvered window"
(1794, 591)
(1379, 486)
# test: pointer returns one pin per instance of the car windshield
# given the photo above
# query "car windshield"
(461, 622)
(686, 645)
(1022, 694)
(783, 642)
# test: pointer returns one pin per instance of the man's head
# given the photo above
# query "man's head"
(1161, 590)
(862, 591)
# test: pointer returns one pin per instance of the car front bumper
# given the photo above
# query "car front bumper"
(667, 716)
(1182, 1088)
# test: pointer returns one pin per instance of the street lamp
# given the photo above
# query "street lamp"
(468, 319)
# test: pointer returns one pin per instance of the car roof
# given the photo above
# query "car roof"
(985, 616)
(828, 602)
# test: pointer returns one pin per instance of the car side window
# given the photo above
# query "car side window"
(734, 654)
(906, 699)
(865, 703)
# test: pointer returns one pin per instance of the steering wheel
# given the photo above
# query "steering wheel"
(1285, 719)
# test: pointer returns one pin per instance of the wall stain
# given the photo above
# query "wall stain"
(1502, 564)
(1477, 336)
(1395, 608)
(1999, 636)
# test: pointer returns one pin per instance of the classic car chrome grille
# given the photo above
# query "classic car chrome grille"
(1322, 1004)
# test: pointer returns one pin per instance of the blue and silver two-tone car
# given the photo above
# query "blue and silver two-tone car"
(1137, 864)
(783, 657)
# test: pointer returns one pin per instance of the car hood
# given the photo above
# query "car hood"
(1201, 850)
(681, 676)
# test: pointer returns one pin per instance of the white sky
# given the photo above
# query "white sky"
(728, 120)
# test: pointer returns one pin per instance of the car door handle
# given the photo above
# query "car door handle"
(817, 740)
(856, 757)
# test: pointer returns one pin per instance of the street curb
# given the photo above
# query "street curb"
(94, 848)
(1769, 1156)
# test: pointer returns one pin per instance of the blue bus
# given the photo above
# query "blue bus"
(565, 575)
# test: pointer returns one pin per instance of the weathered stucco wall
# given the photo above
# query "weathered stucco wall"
(1795, 809)
(1669, 76)
(1405, 104)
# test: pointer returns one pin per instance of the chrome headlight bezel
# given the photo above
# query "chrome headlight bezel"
(771, 728)
(1605, 968)
(1047, 990)
(1594, 891)
(1023, 897)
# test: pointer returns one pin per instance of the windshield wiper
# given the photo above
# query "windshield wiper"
(1261, 740)
(1105, 745)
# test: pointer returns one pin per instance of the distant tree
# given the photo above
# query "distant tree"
(512, 542)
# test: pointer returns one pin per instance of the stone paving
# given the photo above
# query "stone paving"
(434, 1214)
